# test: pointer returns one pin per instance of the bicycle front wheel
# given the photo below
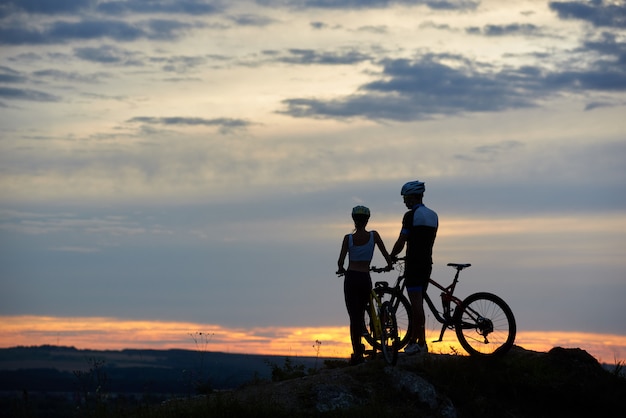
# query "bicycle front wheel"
(485, 325)
(389, 337)
(402, 311)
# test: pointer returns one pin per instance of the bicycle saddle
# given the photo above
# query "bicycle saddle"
(459, 266)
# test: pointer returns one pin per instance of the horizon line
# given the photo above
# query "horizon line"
(108, 333)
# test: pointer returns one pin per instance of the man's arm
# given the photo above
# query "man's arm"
(398, 246)
(407, 221)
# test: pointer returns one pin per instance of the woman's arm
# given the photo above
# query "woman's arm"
(381, 246)
(342, 255)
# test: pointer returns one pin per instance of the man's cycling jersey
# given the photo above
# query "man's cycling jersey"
(419, 225)
(361, 252)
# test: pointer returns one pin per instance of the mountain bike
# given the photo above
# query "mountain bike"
(484, 324)
(381, 323)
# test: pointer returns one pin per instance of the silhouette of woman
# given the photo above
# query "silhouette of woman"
(359, 246)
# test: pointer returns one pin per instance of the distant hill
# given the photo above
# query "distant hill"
(61, 369)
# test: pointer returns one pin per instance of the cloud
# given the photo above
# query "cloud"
(9, 75)
(186, 7)
(71, 76)
(252, 20)
(426, 88)
(44, 7)
(318, 25)
(379, 29)
(434, 85)
(452, 5)
(607, 45)
(598, 105)
(599, 13)
(20, 21)
(27, 94)
(89, 29)
(225, 124)
(608, 72)
(371, 4)
(310, 56)
(33, 223)
(490, 152)
(108, 54)
(180, 64)
(115, 7)
(512, 29)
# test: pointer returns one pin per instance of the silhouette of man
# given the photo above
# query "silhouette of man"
(419, 229)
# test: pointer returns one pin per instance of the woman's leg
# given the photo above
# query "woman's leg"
(356, 292)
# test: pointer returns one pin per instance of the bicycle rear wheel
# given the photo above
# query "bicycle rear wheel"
(402, 310)
(485, 325)
(389, 337)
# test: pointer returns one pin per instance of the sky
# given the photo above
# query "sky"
(195, 162)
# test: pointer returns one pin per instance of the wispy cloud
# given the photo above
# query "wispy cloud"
(62, 31)
(251, 20)
(371, 4)
(310, 56)
(490, 152)
(513, 29)
(111, 7)
(224, 124)
(27, 94)
(109, 54)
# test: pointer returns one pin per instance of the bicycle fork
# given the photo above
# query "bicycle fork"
(375, 319)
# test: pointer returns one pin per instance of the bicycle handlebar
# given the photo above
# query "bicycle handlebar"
(381, 269)
(373, 268)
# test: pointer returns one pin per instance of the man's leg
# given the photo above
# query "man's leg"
(418, 333)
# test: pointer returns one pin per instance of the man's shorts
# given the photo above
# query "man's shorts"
(416, 279)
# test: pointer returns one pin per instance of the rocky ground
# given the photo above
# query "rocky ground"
(560, 383)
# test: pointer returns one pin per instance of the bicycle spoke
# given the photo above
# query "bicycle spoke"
(485, 325)
(402, 310)
(389, 337)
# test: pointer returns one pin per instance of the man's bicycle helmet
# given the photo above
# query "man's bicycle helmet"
(360, 210)
(413, 187)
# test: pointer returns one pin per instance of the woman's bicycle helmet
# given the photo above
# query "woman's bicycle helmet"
(360, 210)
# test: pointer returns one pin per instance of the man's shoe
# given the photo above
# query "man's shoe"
(416, 349)
(356, 359)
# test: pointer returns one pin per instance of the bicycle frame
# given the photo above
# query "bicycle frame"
(447, 299)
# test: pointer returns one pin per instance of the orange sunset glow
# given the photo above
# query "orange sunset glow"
(117, 334)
